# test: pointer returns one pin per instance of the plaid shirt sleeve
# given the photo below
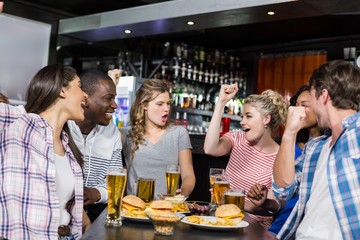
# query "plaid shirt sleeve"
(289, 191)
(8, 114)
(292, 189)
(343, 177)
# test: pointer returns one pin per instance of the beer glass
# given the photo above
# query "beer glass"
(172, 178)
(212, 173)
(116, 184)
(235, 196)
(221, 185)
(145, 189)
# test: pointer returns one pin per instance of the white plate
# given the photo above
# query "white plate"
(135, 219)
(242, 224)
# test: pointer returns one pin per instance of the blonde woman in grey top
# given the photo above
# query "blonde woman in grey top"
(152, 142)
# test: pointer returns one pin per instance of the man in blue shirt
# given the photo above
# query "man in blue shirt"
(326, 176)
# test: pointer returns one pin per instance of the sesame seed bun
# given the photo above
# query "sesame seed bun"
(134, 201)
(227, 211)
(161, 205)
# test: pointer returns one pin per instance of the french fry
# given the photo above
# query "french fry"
(218, 221)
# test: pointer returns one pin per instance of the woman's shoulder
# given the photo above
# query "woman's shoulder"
(235, 134)
(125, 130)
(28, 124)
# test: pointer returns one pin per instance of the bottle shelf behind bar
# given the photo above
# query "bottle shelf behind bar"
(195, 111)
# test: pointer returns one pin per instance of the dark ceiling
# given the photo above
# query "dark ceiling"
(74, 8)
(295, 21)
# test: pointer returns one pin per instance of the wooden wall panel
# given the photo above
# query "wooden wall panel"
(287, 72)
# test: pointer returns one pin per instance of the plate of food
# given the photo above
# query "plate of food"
(177, 199)
(133, 208)
(227, 217)
(136, 218)
(178, 202)
(199, 207)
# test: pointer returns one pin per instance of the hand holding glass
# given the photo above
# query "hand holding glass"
(172, 178)
(116, 184)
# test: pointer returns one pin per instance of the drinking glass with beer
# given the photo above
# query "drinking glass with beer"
(221, 184)
(235, 196)
(116, 184)
(172, 178)
(145, 189)
(212, 173)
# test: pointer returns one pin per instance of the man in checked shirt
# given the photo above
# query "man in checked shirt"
(327, 175)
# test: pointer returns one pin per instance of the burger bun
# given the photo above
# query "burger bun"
(134, 201)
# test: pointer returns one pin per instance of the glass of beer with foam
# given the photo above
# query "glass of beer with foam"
(235, 196)
(212, 173)
(172, 178)
(116, 184)
(221, 185)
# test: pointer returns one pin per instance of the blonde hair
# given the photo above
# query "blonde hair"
(148, 91)
(270, 103)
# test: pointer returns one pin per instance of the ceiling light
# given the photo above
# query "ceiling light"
(271, 13)
(127, 31)
(190, 23)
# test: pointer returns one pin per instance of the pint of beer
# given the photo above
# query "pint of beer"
(221, 185)
(116, 184)
(235, 196)
(212, 173)
(172, 178)
(145, 189)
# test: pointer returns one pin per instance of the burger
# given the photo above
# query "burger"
(133, 206)
(161, 213)
(161, 209)
(162, 206)
(229, 213)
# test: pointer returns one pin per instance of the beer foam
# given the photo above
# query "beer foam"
(221, 182)
(235, 194)
(114, 173)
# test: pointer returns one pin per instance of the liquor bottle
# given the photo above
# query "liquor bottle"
(202, 54)
(201, 72)
(217, 57)
(176, 68)
(216, 76)
(177, 119)
(206, 76)
(184, 121)
(163, 71)
(184, 53)
(189, 72)
(211, 75)
(183, 70)
(195, 72)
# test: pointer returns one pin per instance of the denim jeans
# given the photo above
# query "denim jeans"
(66, 238)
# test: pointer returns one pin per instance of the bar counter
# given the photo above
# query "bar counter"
(145, 231)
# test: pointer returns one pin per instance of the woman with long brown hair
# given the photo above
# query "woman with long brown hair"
(41, 190)
(153, 142)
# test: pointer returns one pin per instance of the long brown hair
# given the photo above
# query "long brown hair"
(148, 91)
(44, 89)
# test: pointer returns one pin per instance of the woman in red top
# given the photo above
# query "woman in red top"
(253, 148)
